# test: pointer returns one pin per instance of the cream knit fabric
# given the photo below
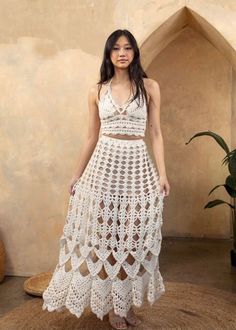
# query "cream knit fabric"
(129, 119)
(112, 237)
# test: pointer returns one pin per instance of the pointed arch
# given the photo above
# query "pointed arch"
(174, 25)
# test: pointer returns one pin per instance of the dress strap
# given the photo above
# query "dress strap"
(110, 81)
(109, 87)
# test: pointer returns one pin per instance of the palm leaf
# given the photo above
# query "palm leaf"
(217, 202)
(230, 159)
(231, 182)
(228, 188)
(217, 138)
(219, 185)
(230, 191)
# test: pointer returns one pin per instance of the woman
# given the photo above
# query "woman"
(112, 237)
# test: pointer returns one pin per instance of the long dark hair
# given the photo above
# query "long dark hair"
(136, 72)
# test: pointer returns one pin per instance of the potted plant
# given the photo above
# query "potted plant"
(230, 184)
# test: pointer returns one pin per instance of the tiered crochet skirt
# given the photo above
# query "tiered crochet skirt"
(112, 236)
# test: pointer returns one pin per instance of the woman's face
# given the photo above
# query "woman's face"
(122, 53)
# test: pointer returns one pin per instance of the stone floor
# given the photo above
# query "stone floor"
(193, 260)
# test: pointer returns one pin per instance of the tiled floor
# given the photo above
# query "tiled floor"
(199, 261)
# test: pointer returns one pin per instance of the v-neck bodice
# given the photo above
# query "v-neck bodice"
(119, 107)
(128, 119)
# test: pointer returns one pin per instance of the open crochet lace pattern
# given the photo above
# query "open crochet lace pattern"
(130, 119)
(112, 236)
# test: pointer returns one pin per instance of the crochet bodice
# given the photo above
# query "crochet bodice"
(128, 119)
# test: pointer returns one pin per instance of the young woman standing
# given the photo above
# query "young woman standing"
(112, 238)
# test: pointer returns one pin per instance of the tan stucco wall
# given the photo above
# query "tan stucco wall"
(195, 80)
(50, 53)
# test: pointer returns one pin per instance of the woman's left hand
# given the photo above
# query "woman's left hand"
(164, 185)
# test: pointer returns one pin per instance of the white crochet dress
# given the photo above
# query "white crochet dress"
(112, 237)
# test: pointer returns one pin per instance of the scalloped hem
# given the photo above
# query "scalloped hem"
(49, 308)
(102, 295)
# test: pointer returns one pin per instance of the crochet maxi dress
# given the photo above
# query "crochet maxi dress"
(112, 236)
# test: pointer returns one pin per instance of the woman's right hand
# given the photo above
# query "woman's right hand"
(72, 183)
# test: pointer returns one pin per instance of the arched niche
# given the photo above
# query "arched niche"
(193, 178)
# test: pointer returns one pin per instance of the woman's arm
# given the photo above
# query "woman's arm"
(156, 137)
(92, 135)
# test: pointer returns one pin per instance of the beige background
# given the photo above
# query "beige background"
(50, 54)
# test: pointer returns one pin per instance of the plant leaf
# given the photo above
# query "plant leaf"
(231, 182)
(217, 138)
(230, 159)
(230, 191)
(217, 202)
(229, 155)
(219, 185)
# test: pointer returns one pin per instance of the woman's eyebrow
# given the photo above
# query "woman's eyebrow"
(124, 44)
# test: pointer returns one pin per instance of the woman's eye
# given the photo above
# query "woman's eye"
(127, 48)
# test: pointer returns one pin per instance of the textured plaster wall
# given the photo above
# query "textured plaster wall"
(195, 80)
(50, 53)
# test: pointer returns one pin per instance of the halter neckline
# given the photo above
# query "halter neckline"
(120, 107)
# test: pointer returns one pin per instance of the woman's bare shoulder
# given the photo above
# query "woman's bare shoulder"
(150, 83)
(94, 90)
(152, 88)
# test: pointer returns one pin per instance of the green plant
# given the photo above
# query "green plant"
(230, 181)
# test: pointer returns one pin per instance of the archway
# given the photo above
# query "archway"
(210, 106)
